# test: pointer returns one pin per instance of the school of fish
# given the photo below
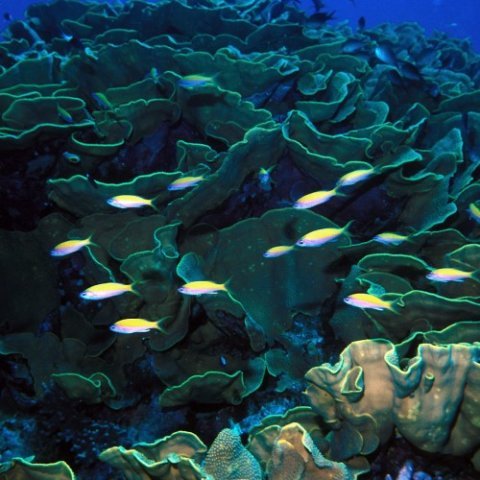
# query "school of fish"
(313, 239)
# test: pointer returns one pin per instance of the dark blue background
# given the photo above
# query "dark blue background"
(459, 18)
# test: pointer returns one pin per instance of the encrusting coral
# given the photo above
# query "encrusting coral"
(431, 399)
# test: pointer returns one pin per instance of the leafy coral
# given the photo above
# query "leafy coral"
(262, 105)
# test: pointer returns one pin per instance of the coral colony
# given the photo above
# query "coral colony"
(237, 243)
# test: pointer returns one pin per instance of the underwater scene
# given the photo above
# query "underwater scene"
(239, 240)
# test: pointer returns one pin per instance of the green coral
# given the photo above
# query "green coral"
(281, 109)
(26, 469)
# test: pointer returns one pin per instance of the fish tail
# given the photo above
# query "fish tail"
(152, 201)
(91, 243)
(475, 275)
(226, 284)
(391, 304)
(159, 324)
(132, 288)
(338, 193)
(346, 228)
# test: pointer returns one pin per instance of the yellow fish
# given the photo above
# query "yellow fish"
(70, 246)
(319, 237)
(365, 300)
(389, 238)
(474, 212)
(130, 201)
(184, 182)
(202, 287)
(106, 290)
(449, 275)
(278, 251)
(136, 325)
(195, 80)
(351, 178)
(315, 198)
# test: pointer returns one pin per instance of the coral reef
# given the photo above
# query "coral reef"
(165, 148)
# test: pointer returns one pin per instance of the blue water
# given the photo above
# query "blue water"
(458, 19)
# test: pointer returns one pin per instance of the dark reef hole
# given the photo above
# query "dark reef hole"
(390, 458)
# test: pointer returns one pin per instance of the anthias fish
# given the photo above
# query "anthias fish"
(195, 81)
(278, 251)
(315, 198)
(129, 201)
(265, 178)
(71, 157)
(316, 238)
(106, 290)
(354, 177)
(474, 212)
(70, 246)
(64, 114)
(101, 100)
(449, 275)
(365, 300)
(390, 238)
(136, 325)
(185, 182)
(202, 287)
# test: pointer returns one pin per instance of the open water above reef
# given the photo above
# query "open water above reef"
(457, 19)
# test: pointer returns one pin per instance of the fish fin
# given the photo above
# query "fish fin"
(159, 324)
(346, 227)
(226, 284)
(133, 288)
(90, 243)
(151, 203)
(476, 275)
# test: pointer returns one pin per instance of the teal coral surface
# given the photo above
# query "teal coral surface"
(162, 156)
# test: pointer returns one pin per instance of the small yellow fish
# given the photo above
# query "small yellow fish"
(130, 201)
(136, 325)
(351, 178)
(365, 300)
(315, 198)
(278, 251)
(449, 275)
(316, 238)
(389, 238)
(185, 182)
(70, 246)
(106, 290)
(195, 80)
(202, 287)
(474, 212)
